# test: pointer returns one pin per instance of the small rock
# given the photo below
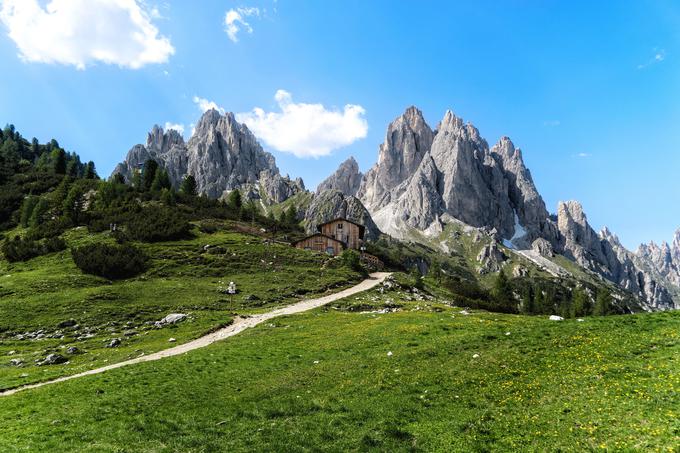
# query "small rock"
(67, 323)
(16, 362)
(579, 320)
(507, 333)
(53, 359)
(11, 352)
(389, 354)
(476, 356)
(114, 343)
(316, 361)
(171, 340)
(73, 350)
(130, 333)
(556, 318)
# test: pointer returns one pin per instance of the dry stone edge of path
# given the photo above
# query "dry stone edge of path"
(238, 326)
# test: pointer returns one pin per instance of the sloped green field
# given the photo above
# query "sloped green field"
(188, 276)
(348, 377)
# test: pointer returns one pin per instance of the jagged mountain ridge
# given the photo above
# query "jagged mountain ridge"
(222, 155)
(426, 178)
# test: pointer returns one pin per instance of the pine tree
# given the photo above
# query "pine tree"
(118, 179)
(603, 303)
(39, 213)
(580, 302)
(502, 291)
(90, 171)
(291, 217)
(160, 181)
(73, 204)
(235, 202)
(189, 186)
(435, 270)
(528, 300)
(149, 174)
(59, 161)
(27, 210)
(417, 278)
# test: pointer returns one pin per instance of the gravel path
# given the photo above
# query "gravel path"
(238, 326)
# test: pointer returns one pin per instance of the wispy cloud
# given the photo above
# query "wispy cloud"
(83, 32)
(235, 21)
(583, 155)
(551, 123)
(306, 130)
(659, 56)
(204, 105)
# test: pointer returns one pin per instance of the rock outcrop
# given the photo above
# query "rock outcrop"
(347, 178)
(331, 204)
(426, 178)
(605, 255)
(422, 176)
(490, 258)
(222, 155)
(663, 259)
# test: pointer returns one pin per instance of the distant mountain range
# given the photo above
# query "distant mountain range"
(424, 179)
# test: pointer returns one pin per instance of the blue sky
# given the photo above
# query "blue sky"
(588, 90)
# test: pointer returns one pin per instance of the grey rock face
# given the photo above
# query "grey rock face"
(332, 204)
(347, 178)
(222, 155)
(278, 188)
(456, 175)
(407, 140)
(490, 259)
(605, 255)
(663, 259)
(543, 248)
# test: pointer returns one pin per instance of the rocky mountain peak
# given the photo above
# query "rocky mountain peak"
(347, 178)
(222, 155)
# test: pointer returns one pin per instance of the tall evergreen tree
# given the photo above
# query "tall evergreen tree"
(27, 208)
(234, 201)
(502, 291)
(189, 186)
(149, 174)
(59, 161)
(580, 302)
(39, 213)
(161, 181)
(90, 171)
(603, 303)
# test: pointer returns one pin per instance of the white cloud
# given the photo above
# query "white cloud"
(659, 56)
(583, 155)
(82, 32)
(178, 127)
(205, 105)
(306, 130)
(235, 21)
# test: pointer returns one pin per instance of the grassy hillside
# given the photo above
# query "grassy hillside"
(187, 276)
(354, 377)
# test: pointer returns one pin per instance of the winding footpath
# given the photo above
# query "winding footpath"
(238, 326)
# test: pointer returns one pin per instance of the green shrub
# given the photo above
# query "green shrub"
(19, 249)
(350, 258)
(156, 224)
(110, 261)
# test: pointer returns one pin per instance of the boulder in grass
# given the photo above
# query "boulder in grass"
(53, 359)
(172, 318)
(556, 318)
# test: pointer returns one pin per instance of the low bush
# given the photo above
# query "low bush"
(110, 261)
(156, 224)
(50, 229)
(19, 249)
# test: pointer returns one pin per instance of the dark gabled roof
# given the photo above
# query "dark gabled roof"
(362, 228)
(319, 234)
